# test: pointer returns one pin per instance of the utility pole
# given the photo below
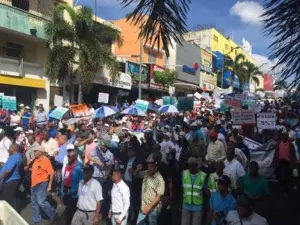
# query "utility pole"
(141, 64)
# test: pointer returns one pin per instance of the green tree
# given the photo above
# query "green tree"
(279, 85)
(249, 72)
(234, 66)
(79, 47)
(165, 77)
(167, 20)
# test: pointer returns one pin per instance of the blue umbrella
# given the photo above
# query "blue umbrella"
(153, 106)
(132, 110)
(168, 109)
(105, 111)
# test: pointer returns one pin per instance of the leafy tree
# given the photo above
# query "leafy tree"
(282, 23)
(79, 46)
(249, 73)
(234, 66)
(165, 77)
(279, 85)
(166, 21)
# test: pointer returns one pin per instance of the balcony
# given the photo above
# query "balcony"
(22, 21)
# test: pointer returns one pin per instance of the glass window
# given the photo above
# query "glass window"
(14, 50)
(21, 4)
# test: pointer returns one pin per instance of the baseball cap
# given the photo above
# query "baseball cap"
(168, 134)
(224, 179)
(122, 134)
(213, 134)
(21, 105)
(154, 158)
(2, 131)
(27, 107)
(39, 148)
(18, 129)
(70, 146)
(29, 132)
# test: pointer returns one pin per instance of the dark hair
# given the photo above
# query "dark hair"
(254, 163)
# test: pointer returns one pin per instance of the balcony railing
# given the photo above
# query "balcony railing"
(22, 21)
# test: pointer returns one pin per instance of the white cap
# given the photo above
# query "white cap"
(29, 132)
(168, 134)
(146, 123)
(218, 122)
(181, 133)
(154, 114)
(21, 105)
(27, 107)
(167, 126)
(70, 146)
(18, 129)
(106, 125)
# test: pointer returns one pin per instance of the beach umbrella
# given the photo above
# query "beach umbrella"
(134, 111)
(153, 106)
(168, 109)
(104, 111)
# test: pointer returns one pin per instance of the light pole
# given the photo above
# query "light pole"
(141, 67)
(222, 80)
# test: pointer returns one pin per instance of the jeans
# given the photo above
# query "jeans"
(191, 217)
(38, 200)
(150, 219)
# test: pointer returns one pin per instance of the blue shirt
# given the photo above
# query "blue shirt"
(26, 118)
(14, 165)
(191, 207)
(53, 132)
(200, 135)
(218, 204)
(63, 150)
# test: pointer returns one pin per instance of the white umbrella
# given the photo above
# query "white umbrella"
(168, 109)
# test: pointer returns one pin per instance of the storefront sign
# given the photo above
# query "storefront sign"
(142, 105)
(266, 121)
(103, 97)
(208, 82)
(133, 69)
(241, 116)
(9, 102)
(206, 61)
(189, 70)
(153, 84)
(124, 81)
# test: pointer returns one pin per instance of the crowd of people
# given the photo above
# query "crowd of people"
(194, 161)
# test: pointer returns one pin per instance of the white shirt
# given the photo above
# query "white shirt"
(5, 143)
(89, 195)
(166, 146)
(14, 120)
(215, 151)
(221, 138)
(127, 175)
(234, 170)
(120, 199)
(254, 219)
(178, 152)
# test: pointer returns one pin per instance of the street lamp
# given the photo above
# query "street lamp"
(224, 63)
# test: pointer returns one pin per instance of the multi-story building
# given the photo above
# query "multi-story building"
(23, 50)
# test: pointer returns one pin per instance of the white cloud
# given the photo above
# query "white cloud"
(264, 63)
(249, 12)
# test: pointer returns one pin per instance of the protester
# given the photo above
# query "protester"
(5, 144)
(215, 149)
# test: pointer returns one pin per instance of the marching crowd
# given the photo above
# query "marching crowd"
(194, 161)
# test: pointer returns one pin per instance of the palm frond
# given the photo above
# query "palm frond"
(160, 20)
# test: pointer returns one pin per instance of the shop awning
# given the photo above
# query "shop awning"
(22, 81)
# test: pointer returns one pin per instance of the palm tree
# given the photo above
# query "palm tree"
(78, 48)
(280, 85)
(234, 66)
(249, 73)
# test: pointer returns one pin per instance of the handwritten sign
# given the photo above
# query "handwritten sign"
(142, 105)
(266, 120)
(9, 102)
(103, 97)
(241, 116)
(58, 100)
(232, 102)
(58, 113)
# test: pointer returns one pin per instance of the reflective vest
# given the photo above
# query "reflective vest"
(192, 193)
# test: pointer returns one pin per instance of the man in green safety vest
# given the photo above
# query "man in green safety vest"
(193, 183)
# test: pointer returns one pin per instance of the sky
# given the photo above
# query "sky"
(238, 19)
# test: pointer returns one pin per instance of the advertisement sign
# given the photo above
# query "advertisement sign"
(142, 105)
(243, 116)
(206, 61)
(103, 97)
(232, 102)
(185, 104)
(58, 113)
(153, 84)
(208, 82)
(133, 69)
(9, 102)
(124, 81)
(266, 120)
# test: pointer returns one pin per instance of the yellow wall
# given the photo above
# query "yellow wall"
(224, 45)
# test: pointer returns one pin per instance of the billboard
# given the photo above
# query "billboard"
(206, 61)
(268, 82)
(133, 69)
(208, 81)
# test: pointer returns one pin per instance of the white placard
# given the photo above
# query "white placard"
(58, 100)
(266, 120)
(240, 117)
(197, 95)
(103, 97)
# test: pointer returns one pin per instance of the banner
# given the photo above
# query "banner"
(266, 120)
(133, 69)
(242, 116)
(103, 97)
(142, 105)
(9, 102)
(248, 102)
(1, 96)
(208, 82)
(232, 102)
(206, 61)
(58, 100)
(268, 82)
(81, 111)
(58, 112)
(185, 104)
(123, 81)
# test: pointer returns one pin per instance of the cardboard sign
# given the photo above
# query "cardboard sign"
(9, 102)
(197, 95)
(232, 102)
(266, 120)
(103, 97)
(242, 116)
(185, 104)
(142, 105)
(1, 96)
(81, 111)
(58, 100)
(58, 113)
(256, 108)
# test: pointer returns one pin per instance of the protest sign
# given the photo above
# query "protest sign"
(9, 102)
(58, 100)
(256, 107)
(243, 116)
(232, 102)
(142, 105)
(266, 120)
(103, 97)
(81, 111)
(72, 121)
(1, 96)
(58, 112)
(240, 96)
(197, 95)
(185, 104)
(248, 102)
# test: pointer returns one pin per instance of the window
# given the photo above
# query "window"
(14, 50)
(216, 38)
(21, 4)
(152, 56)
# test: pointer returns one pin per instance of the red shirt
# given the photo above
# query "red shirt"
(68, 174)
